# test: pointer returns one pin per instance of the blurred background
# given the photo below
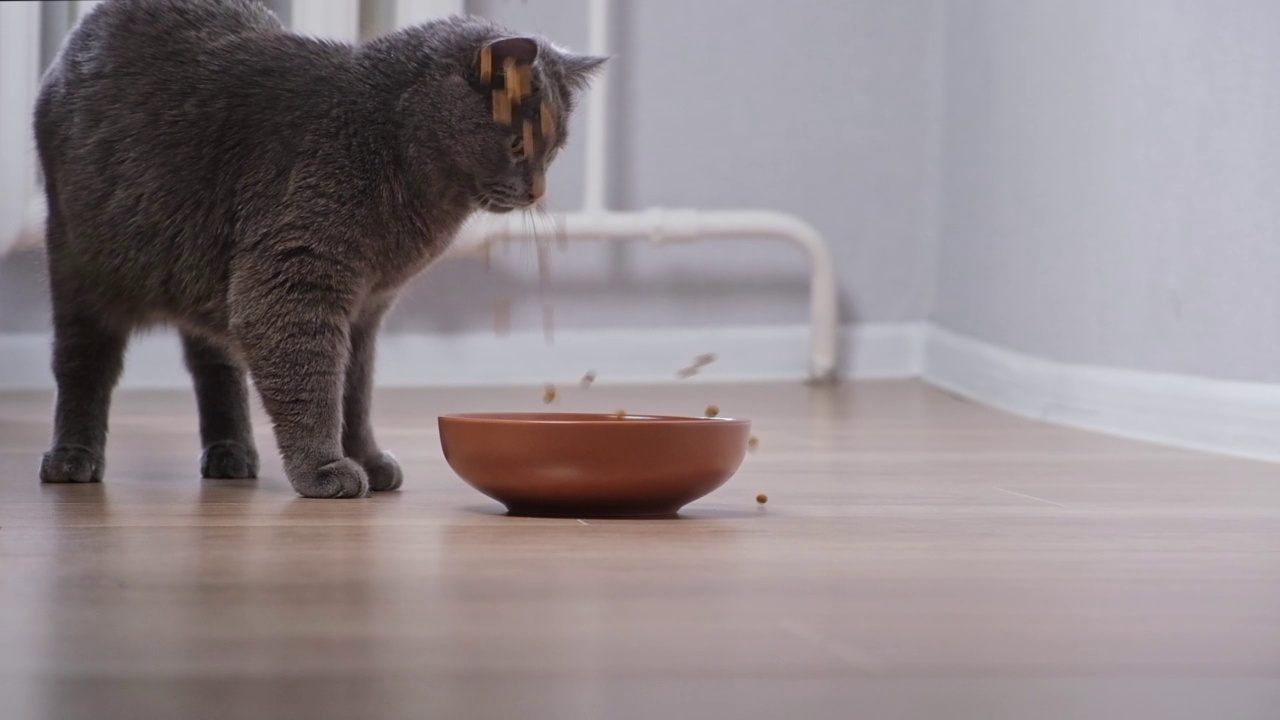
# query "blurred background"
(1086, 183)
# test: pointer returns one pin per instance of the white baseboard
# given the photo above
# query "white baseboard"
(637, 355)
(1233, 418)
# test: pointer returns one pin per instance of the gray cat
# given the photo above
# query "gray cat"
(268, 194)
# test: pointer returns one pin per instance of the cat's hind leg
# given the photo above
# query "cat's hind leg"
(88, 356)
(222, 396)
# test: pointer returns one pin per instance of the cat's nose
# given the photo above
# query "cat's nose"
(537, 188)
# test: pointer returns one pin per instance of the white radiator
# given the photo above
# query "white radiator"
(30, 32)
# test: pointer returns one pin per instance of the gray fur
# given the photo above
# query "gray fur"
(268, 194)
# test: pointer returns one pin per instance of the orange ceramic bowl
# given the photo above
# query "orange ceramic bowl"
(583, 465)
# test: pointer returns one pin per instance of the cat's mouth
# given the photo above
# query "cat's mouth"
(500, 205)
(504, 197)
(495, 206)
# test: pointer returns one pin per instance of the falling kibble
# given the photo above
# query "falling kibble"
(762, 498)
(486, 65)
(548, 122)
(753, 443)
(528, 141)
(510, 81)
(539, 185)
(549, 394)
(712, 411)
(544, 280)
(587, 379)
(620, 414)
(502, 317)
(548, 323)
(520, 81)
(501, 107)
(699, 362)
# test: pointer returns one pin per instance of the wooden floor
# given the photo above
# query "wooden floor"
(919, 557)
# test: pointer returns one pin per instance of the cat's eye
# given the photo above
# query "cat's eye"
(517, 147)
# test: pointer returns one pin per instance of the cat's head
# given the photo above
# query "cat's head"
(496, 113)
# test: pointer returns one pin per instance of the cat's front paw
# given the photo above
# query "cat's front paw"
(71, 464)
(229, 460)
(339, 479)
(384, 472)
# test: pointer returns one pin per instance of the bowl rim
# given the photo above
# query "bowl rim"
(576, 418)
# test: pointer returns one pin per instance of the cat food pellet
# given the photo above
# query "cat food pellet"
(518, 80)
(544, 276)
(699, 362)
(512, 79)
(548, 324)
(762, 498)
(549, 394)
(544, 261)
(753, 443)
(502, 317)
(620, 414)
(501, 107)
(524, 83)
(528, 141)
(509, 80)
(548, 123)
(486, 65)
(712, 411)
(587, 379)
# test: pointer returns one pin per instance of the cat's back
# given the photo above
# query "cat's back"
(128, 60)
(142, 134)
(118, 32)
(125, 49)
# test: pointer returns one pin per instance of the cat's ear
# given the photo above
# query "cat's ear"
(579, 69)
(493, 55)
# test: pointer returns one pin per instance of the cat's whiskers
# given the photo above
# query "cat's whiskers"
(530, 215)
(557, 229)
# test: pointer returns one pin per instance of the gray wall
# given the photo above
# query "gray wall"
(1111, 182)
(1104, 176)
(820, 108)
